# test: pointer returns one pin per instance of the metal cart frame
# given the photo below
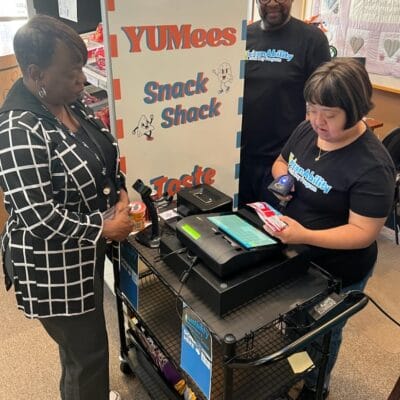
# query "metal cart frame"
(255, 349)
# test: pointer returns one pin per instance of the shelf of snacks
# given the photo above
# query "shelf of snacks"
(95, 97)
(95, 69)
(95, 93)
(95, 76)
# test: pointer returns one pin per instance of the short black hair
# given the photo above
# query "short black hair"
(342, 83)
(36, 41)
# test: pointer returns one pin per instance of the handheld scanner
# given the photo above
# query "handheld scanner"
(282, 185)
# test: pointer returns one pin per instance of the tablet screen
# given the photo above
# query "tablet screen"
(241, 231)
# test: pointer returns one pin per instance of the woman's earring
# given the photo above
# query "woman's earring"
(41, 91)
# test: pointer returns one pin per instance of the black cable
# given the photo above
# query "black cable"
(386, 314)
(183, 279)
(308, 326)
(164, 256)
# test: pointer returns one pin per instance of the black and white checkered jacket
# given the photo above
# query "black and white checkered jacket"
(50, 194)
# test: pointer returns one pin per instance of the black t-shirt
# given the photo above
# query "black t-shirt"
(278, 64)
(357, 177)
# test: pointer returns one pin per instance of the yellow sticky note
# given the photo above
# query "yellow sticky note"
(300, 362)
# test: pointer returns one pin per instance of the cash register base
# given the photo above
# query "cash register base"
(225, 294)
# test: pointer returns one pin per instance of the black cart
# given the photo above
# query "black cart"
(251, 344)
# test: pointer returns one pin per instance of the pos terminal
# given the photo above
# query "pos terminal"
(225, 242)
(228, 257)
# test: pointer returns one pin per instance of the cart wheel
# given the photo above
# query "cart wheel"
(125, 368)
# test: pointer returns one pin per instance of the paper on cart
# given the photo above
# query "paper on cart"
(169, 214)
(300, 362)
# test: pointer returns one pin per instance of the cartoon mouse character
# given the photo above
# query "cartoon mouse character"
(145, 127)
(225, 77)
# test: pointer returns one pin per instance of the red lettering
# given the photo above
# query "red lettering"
(151, 35)
(177, 36)
(173, 186)
(198, 38)
(229, 35)
(208, 176)
(172, 37)
(163, 184)
(213, 37)
(159, 185)
(197, 171)
(187, 180)
(133, 37)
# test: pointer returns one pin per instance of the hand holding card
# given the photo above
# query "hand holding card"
(269, 215)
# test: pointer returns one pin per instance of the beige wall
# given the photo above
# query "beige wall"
(297, 9)
(387, 110)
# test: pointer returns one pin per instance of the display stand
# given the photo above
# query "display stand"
(251, 344)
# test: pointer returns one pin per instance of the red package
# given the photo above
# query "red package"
(97, 36)
(100, 58)
(104, 116)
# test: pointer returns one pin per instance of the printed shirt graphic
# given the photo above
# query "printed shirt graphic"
(358, 177)
(278, 64)
(270, 55)
(307, 177)
(355, 177)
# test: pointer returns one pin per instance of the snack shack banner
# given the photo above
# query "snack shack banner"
(177, 77)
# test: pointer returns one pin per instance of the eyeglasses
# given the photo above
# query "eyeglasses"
(269, 1)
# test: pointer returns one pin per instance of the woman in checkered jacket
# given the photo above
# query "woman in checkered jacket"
(59, 172)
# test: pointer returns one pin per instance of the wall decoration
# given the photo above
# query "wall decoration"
(364, 28)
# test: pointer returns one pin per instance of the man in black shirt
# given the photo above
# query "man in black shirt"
(282, 52)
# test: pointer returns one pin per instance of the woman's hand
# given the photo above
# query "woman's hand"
(123, 201)
(358, 233)
(285, 199)
(279, 169)
(293, 233)
(119, 227)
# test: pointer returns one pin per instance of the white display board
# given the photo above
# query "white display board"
(177, 69)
